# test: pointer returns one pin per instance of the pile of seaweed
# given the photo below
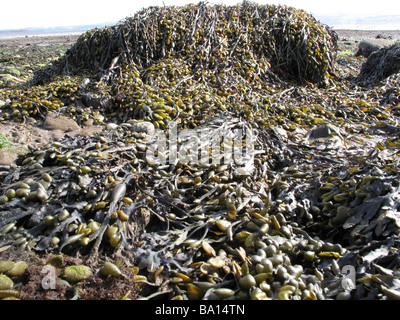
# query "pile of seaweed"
(186, 62)
(289, 42)
(315, 196)
(380, 65)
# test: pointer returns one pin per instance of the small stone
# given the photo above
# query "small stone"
(343, 296)
(325, 130)
(53, 122)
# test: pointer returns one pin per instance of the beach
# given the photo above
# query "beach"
(77, 159)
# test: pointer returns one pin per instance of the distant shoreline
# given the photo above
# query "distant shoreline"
(58, 34)
(11, 34)
(50, 32)
(367, 34)
(46, 38)
(41, 40)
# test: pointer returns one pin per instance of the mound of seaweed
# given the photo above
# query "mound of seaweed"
(290, 42)
(380, 65)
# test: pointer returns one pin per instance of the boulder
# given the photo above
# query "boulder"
(54, 122)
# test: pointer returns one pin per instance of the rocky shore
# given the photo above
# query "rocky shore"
(303, 201)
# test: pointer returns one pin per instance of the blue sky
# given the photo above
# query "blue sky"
(18, 14)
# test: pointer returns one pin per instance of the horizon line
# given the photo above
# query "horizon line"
(339, 25)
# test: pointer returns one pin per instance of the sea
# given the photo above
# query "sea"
(56, 31)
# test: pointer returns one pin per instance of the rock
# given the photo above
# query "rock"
(54, 122)
(325, 130)
(88, 122)
(85, 82)
(382, 36)
(76, 273)
(7, 156)
(142, 127)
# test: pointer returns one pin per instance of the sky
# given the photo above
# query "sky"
(19, 14)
